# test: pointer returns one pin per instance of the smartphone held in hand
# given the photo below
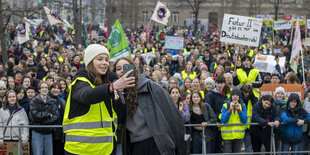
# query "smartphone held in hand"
(127, 68)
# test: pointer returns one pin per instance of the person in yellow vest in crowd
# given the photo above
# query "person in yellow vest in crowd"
(231, 51)
(247, 74)
(233, 111)
(249, 51)
(189, 71)
(249, 100)
(90, 118)
(148, 48)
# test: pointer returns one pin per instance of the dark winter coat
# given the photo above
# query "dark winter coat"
(259, 115)
(58, 132)
(43, 113)
(216, 101)
(162, 116)
(291, 132)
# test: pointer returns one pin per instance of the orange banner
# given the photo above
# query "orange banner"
(289, 88)
(11, 148)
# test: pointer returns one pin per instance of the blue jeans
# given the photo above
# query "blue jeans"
(42, 144)
(197, 143)
(304, 141)
(247, 142)
(286, 146)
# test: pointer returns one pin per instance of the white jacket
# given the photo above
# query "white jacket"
(19, 118)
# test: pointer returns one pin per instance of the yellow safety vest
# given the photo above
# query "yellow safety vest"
(251, 78)
(250, 53)
(185, 50)
(60, 59)
(232, 132)
(192, 75)
(202, 93)
(249, 113)
(215, 65)
(91, 133)
(145, 50)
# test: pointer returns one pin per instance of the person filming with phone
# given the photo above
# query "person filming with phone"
(153, 124)
(93, 107)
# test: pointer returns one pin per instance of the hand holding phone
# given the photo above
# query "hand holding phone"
(127, 68)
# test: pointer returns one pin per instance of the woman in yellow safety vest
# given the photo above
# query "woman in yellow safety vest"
(189, 71)
(90, 118)
(233, 111)
(248, 75)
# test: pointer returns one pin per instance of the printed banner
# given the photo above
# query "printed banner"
(289, 88)
(176, 43)
(241, 30)
(117, 42)
(148, 57)
(23, 32)
(11, 148)
(296, 48)
(280, 25)
(161, 14)
(267, 63)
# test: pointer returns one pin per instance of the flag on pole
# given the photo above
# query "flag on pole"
(297, 47)
(23, 31)
(55, 19)
(148, 30)
(106, 30)
(161, 14)
(90, 32)
(117, 42)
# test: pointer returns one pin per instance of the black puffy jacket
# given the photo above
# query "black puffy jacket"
(43, 113)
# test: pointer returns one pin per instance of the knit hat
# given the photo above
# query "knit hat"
(276, 74)
(235, 91)
(2, 84)
(92, 51)
(203, 67)
(210, 80)
(279, 89)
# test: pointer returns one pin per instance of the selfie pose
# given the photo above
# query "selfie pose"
(92, 109)
(153, 123)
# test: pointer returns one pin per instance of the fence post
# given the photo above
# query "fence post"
(203, 141)
(19, 140)
(272, 142)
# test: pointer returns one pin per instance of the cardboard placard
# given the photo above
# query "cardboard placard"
(11, 148)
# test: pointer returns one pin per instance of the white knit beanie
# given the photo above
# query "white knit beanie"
(92, 51)
(210, 80)
(2, 84)
(279, 89)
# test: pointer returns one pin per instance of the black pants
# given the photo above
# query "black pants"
(58, 147)
(145, 147)
(257, 143)
(217, 142)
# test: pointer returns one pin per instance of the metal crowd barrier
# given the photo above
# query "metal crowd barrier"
(272, 144)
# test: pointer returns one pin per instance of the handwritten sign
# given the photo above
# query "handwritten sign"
(176, 43)
(308, 23)
(241, 30)
(289, 88)
(148, 57)
(280, 25)
(267, 63)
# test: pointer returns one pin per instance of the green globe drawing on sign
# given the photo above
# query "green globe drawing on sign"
(115, 38)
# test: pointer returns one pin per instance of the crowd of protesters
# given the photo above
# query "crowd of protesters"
(209, 81)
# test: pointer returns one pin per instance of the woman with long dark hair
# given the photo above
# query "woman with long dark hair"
(153, 124)
(92, 108)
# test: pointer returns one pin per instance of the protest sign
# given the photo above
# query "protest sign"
(148, 57)
(241, 30)
(11, 148)
(176, 43)
(289, 88)
(267, 63)
(280, 25)
(296, 48)
(308, 23)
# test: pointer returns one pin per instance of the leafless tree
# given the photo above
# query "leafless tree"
(195, 5)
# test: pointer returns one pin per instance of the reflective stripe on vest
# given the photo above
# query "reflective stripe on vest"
(232, 132)
(92, 132)
(82, 139)
(249, 113)
(243, 78)
(184, 75)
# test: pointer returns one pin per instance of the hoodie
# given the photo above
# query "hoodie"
(291, 132)
(216, 101)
